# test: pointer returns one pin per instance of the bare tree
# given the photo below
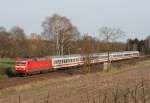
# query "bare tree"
(61, 31)
(87, 45)
(110, 35)
(6, 45)
(17, 33)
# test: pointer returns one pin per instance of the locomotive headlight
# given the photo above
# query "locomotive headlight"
(21, 67)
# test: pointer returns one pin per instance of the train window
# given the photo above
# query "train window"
(20, 62)
(54, 62)
(65, 60)
(127, 54)
(58, 61)
(117, 55)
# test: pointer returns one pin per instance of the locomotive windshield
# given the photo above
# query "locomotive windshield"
(20, 62)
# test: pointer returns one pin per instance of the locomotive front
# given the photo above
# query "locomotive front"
(21, 66)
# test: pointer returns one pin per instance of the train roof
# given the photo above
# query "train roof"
(95, 54)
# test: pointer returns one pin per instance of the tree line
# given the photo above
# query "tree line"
(61, 37)
(140, 45)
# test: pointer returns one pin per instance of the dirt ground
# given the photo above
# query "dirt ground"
(88, 88)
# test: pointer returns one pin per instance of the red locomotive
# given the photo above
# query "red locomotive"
(27, 66)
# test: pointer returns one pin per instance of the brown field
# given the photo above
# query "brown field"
(128, 85)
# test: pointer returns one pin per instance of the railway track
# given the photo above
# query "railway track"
(10, 82)
(23, 80)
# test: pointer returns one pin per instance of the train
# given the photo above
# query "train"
(27, 66)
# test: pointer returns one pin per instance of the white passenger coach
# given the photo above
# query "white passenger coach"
(78, 60)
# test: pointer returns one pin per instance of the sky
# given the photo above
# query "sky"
(132, 16)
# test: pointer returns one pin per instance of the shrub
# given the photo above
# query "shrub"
(6, 67)
(10, 72)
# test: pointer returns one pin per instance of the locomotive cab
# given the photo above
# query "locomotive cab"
(21, 66)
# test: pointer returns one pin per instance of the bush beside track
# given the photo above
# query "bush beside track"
(6, 67)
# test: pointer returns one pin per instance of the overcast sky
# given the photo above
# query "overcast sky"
(132, 16)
